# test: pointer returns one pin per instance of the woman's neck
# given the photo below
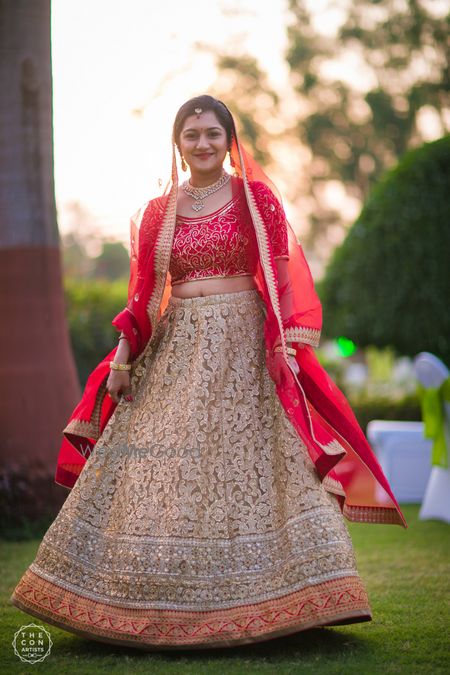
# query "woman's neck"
(203, 180)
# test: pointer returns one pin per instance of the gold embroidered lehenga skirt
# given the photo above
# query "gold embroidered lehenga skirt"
(199, 519)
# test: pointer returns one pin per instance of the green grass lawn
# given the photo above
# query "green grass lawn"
(407, 574)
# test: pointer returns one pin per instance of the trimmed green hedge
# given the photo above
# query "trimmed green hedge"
(388, 284)
(405, 409)
(90, 308)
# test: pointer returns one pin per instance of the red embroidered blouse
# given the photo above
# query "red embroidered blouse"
(223, 243)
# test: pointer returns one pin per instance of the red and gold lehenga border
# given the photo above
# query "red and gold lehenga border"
(333, 602)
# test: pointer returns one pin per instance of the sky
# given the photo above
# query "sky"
(112, 58)
(121, 70)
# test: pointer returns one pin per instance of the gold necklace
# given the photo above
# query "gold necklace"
(200, 193)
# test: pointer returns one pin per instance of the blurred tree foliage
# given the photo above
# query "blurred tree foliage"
(76, 262)
(245, 89)
(111, 264)
(354, 131)
(356, 135)
(386, 408)
(86, 252)
(388, 284)
(91, 306)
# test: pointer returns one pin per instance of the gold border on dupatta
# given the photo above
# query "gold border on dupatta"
(372, 514)
(310, 336)
(91, 428)
(163, 247)
(264, 251)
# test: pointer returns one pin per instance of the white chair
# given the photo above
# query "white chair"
(431, 372)
(404, 455)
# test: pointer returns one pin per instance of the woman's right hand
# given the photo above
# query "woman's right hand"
(278, 368)
(118, 383)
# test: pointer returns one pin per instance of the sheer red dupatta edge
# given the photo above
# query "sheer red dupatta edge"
(316, 407)
(89, 418)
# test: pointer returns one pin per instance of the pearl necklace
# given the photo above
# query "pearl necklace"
(200, 193)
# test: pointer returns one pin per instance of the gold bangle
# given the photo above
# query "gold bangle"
(290, 350)
(119, 366)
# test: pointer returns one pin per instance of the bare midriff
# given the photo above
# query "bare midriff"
(190, 289)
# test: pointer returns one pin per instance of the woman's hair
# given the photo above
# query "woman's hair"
(206, 103)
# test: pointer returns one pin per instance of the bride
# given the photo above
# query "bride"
(211, 460)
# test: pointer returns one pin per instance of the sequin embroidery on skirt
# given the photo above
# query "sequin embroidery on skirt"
(199, 519)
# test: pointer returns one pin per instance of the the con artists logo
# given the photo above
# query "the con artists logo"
(32, 643)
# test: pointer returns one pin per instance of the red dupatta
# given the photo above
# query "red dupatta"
(316, 407)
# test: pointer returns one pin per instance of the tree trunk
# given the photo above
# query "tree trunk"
(38, 382)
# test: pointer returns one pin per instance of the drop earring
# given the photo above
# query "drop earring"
(183, 164)
(232, 162)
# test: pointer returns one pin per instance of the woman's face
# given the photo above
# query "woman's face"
(203, 143)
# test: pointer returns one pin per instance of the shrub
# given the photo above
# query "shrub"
(388, 284)
(91, 306)
(405, 409)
